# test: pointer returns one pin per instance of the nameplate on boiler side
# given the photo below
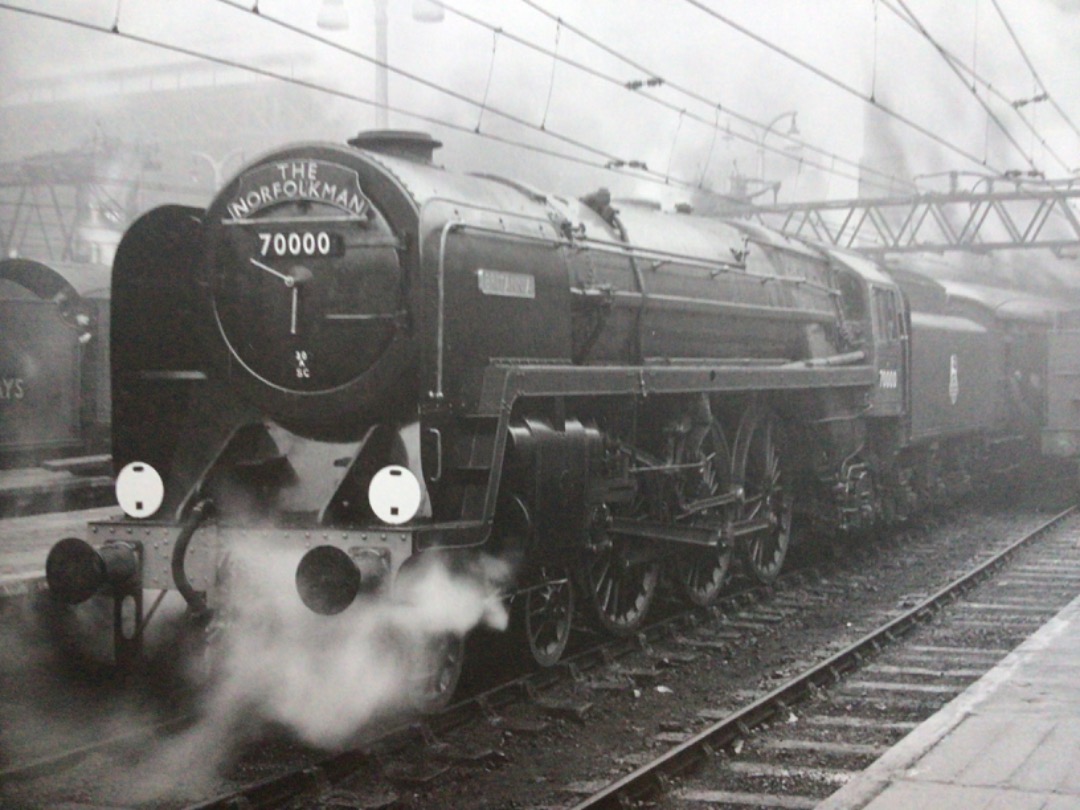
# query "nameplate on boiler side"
(506, 283)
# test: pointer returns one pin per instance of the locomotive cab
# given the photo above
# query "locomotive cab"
(875, 320)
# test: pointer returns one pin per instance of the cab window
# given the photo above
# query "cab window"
(852, 298)
(887, 314)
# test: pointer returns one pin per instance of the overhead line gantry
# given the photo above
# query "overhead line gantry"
(977, 222)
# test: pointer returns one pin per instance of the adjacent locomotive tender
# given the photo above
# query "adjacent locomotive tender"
(360, 356)
(54, 360)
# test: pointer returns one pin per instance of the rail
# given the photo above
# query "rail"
(653, 776)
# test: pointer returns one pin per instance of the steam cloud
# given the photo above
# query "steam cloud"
(327, 679)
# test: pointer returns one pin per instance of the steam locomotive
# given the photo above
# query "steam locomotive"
(366, 360)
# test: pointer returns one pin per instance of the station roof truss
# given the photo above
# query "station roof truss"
(45, 198)
(977, 222)
(39, 202)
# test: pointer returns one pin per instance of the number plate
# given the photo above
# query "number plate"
(300, 244)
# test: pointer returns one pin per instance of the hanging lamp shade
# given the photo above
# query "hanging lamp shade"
(429, 11)
(332, 16)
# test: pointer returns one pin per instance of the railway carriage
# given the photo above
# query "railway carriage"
(1021, 324)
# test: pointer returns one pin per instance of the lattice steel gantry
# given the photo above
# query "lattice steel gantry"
(935, 222)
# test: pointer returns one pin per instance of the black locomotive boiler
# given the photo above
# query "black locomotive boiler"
(368, 360)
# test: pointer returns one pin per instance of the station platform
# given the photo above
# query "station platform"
(49, 488)
(1010, 741)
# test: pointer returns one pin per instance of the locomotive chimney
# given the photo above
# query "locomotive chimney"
(403, 143)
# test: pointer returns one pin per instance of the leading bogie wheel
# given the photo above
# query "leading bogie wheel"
(443, 659)
(768, 501)
(547, 614)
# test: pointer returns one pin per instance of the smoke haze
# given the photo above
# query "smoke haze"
(861, 45)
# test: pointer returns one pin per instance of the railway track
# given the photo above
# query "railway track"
(795, 745)
(419, 757)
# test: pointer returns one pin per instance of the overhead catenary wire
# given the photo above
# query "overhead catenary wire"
(682, 111)
(956, 71)
(975, 42)
(674, 141)
(551, 84)
(838, 83)
(407, 74)
(712, 144)
(978, 80)
(873, 70)
(1031, 67)
(491, 73)
(613, 165)
(305, 83)
(612, 161)
(892, 180)
(650, 176)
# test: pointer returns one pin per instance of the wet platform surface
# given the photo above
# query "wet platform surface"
(1011, 741)
(38, 490)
